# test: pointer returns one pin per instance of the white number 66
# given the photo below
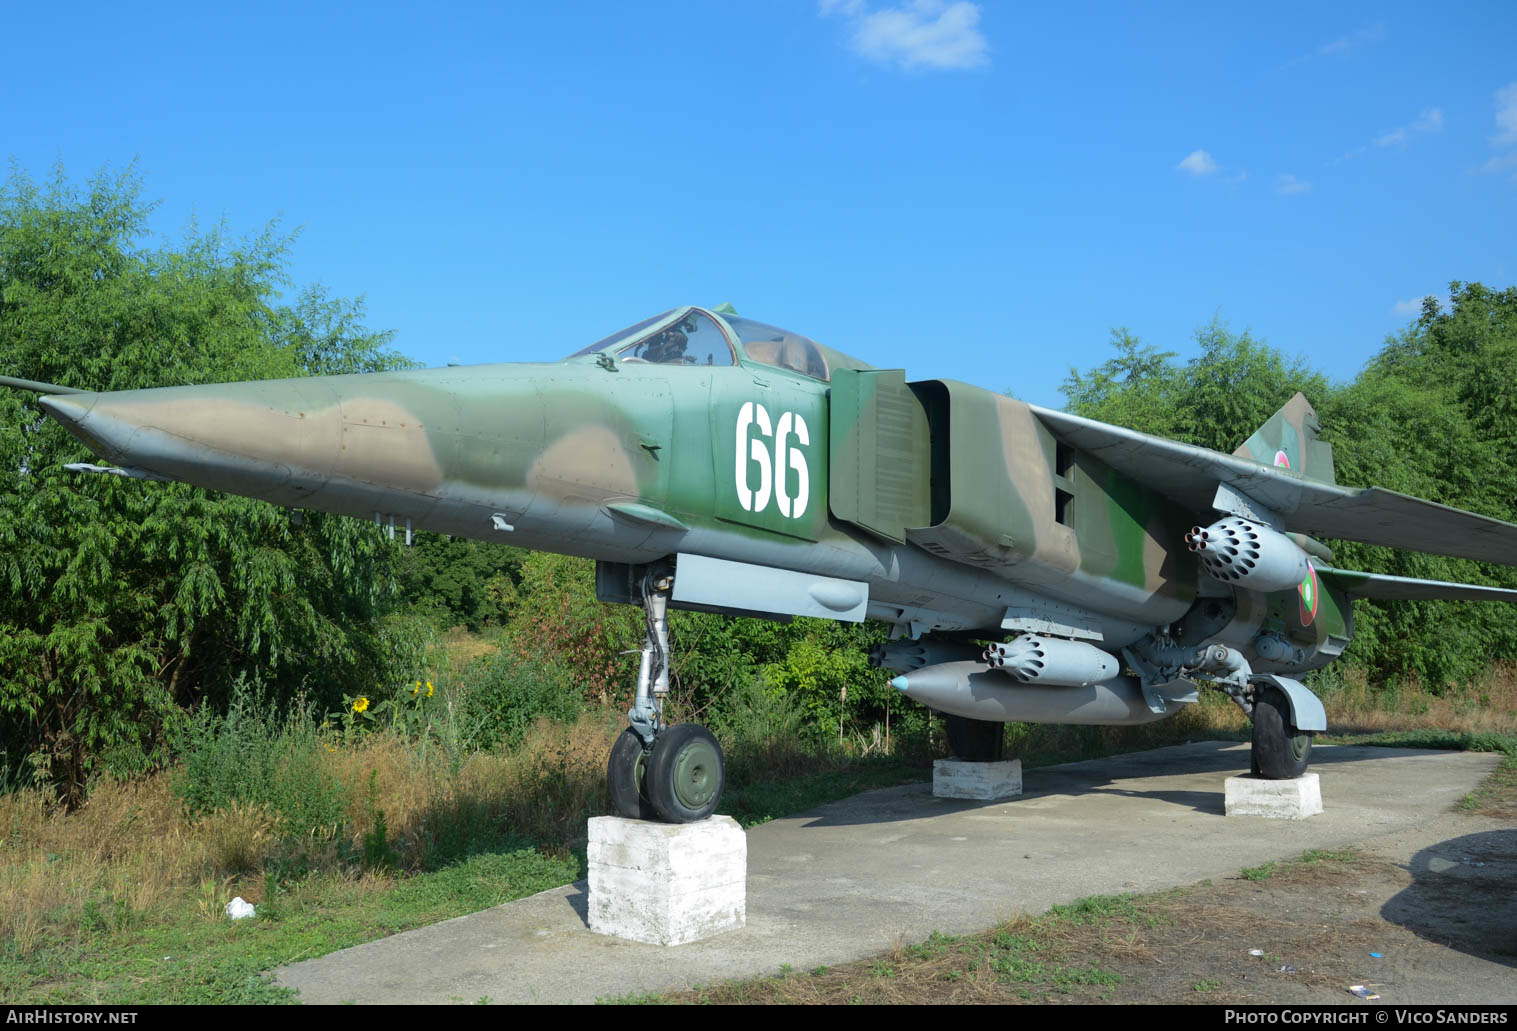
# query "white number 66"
(786, 458)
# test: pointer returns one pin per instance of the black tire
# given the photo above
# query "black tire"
(1280, 751)
(976, 741)
(686, 773)
(625, 776)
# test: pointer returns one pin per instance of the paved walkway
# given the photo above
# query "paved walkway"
(851, 879)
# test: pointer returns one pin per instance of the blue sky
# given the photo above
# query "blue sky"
(976, 191)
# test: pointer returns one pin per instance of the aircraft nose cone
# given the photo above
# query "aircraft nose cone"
(233, 437)
(72, 412)
(66, 409)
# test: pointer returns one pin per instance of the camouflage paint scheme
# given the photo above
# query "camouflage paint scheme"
(957, 507)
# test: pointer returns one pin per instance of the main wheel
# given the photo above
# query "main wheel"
(1280, 751)
(976, 741)
(626, 775)
(686, 773)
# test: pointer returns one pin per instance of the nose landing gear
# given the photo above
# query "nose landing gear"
(659, 772)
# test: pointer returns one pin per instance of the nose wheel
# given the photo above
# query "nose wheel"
(679, 780)
(626, 777)
(686, 773)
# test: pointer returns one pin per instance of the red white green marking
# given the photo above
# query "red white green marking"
(1308, 591)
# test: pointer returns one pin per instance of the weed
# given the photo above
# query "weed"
(1098, 909)
(935, 946)
(1259, 873)
(1320, 855)
(377, 853)
(1206, 986)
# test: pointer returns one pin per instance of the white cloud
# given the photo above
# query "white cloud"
(1344, 45)
(1413, 305)
(1430, 121)
(1501, 163)
(917, 33)
(1288, 184)
(1506, 115)
(1198, 162)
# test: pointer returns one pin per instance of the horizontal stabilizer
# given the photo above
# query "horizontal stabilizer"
(1380, 587)
(1189, 475)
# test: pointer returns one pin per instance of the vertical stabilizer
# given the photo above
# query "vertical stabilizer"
(1289, 440)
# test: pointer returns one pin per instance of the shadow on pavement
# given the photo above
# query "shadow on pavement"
(1105, 775)
(1463, 895)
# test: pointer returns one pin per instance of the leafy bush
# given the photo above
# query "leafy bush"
(254, 756)
(124, 601)
(503, 696)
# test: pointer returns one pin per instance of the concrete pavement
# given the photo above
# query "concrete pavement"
(851, 879)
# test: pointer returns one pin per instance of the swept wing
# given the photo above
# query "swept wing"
(1372, 515)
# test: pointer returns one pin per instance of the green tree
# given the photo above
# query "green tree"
(1135, 389)
(456, 581)
(1216, 399)
(1435, 415)
(127, 602)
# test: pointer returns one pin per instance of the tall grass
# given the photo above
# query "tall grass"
(312, 802)
(263, 798)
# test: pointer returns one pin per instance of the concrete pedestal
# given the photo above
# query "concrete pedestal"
(1278, 799)
(955, 778)
(667, 883)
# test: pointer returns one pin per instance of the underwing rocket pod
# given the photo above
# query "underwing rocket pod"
(1034, 659)
(1235, 550)
(974, 691)
(906, 656)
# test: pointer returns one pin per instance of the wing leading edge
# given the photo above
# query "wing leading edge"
(1382, 587)
(1372, 515)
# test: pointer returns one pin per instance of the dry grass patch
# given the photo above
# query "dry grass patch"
(462, 646)
(1487, 704)
(132, 850)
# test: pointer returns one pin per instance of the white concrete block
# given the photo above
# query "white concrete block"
(955, 778)
(1296, 799)
(667, 883)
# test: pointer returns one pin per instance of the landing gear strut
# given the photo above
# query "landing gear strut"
(658, 772)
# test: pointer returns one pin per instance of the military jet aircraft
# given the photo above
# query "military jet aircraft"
(1032, 565)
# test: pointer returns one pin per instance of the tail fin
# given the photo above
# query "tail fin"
(1289, 440)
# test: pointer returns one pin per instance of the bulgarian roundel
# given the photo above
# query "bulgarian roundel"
(1309, 593)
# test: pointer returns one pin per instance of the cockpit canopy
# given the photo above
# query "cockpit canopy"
(696, 336)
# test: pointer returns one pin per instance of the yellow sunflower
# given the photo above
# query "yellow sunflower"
(360, 705)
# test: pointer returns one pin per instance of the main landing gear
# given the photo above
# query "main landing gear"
(658, 772)
(976, 741)
(1280, 750)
